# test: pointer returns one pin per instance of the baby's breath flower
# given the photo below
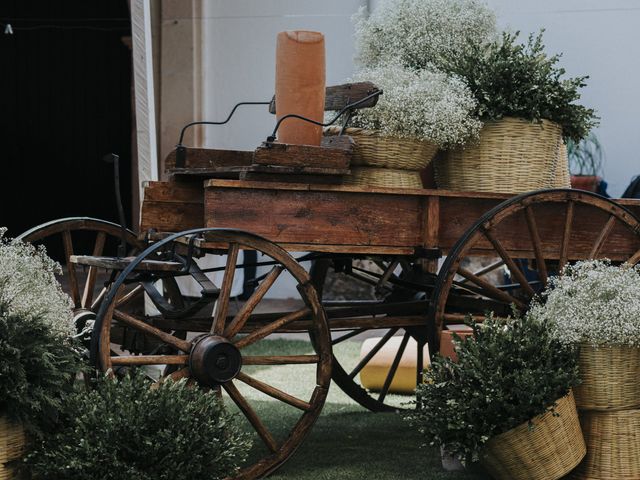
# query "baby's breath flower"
(28, 284)
(425, 104)
(593, 302)
(421, 32)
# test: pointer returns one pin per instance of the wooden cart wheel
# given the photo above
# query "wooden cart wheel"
(397, 318)
(81, 236)
(528, 239)
(237, 351)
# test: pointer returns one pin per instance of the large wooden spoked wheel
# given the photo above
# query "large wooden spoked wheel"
(508, 255)
(236, 351)
(82, 236)
(392, 321)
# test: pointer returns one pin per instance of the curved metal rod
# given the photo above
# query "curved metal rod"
(348, 108)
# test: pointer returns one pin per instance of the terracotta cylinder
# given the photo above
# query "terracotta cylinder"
(300, 85)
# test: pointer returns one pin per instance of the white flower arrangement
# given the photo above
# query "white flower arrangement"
(28, 285)
(593, 302)
(424, 104)
(421, 32)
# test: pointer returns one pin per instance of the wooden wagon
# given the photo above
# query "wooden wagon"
(430, 257)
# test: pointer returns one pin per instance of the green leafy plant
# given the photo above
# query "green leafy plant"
(125, 429)
(585, 157)
(595, 302)
(512, 79)
(507, 373)
(427, 105)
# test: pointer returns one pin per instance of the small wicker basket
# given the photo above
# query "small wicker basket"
(613, 445)
(373, 149)
(551, 450)
(610, 378)
(512, 155)
(383, 177)
(12, 446)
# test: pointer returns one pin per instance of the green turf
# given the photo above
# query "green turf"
(347, 441)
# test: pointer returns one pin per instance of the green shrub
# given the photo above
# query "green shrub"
(37, 369)
(520, 80)
(506, 375)
(127, 430)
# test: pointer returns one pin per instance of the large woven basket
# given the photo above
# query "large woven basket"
(551, 450)
(610, 378)
(512, 155)
(373, 149)
(12, 443)
(562, 178)
(613, 445)
(383, 177)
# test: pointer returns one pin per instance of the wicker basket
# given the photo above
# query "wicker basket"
(373, 149)
(12, 442)
(551, 450)
(383, 177)
(511, 156)
(613, 445)
(610, 378)
(562, 178)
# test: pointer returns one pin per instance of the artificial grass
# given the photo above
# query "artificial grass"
(347, 441)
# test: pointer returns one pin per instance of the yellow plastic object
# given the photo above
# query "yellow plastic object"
(374, 374)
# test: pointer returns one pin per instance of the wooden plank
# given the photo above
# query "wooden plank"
(290, 177)
(339, 96)
(209, 157)
(172, 207)
(334, 155)
(296, 170)
(115, 263)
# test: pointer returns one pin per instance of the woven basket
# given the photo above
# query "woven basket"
(610, 378)
(383, 177)
(562, 178)
(511, 156)
(12, 443)
(613, 445)
(373, 149)
(551, 450)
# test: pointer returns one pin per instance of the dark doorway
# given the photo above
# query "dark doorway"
(65, 101)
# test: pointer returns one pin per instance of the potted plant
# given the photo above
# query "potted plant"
(38, 361)
(585, 162)
(596, 305)
(527, 107)
(506, 402)
(126, 429)
(419, 112)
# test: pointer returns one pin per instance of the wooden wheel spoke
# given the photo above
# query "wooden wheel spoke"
(566, 236)
(153, 331)
(150, 360)
(367, 358)
(270, 328)
(490, 290)
(274, 392)
(394, 367)
(71, 268)
(251, 415)
(98, 300)
(280, 359)
(249, 306)
(602, 237)
(222, 304)
(635, 258)
(138, 290)
(384, 278)
(485, 270)
(511, 264)
(87, 294)
(537, 244)
(347, 336)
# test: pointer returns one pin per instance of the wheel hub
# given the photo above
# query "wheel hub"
(214, 360)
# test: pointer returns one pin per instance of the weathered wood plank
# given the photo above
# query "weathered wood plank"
(339, 96)
(209, 157)
(335, 155)
(172, 206)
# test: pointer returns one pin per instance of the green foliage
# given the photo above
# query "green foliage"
(37, 368)
(127, 430)
(520, 80)
(509, 373)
